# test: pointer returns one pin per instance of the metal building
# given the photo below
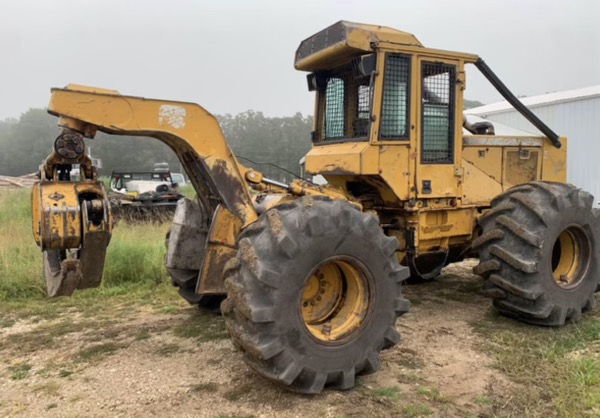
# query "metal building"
(574, 114)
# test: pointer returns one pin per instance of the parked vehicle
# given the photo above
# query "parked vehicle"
(143, 195)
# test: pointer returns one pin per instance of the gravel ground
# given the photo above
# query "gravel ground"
(151, 363)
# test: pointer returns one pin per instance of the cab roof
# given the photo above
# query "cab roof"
(344, 40)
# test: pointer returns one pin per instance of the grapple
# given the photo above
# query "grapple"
(71, 219)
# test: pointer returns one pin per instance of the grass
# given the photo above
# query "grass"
(407, 404)
(409, 378)
(202, 327)
(392, 393)
(20, 260)
(7, 323)
(410, 359)
(135, 255)
(169, 309)
(134, 275)
(167, 350)
(558, 370)
(142, 335)
(97, 352)
(45, 336)
(134, 258)
(188, 191)
(237, 393)
(99, 305)
(483, 400)
(19, 371)
(415, 410)
(432, 394)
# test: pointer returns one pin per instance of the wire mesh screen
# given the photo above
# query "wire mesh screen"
(395, 105)
(363, 111)
(334, 109)
(347, 106)
(439, 81)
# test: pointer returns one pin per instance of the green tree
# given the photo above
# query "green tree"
(25, 143)
(264, 143)
(281, 141)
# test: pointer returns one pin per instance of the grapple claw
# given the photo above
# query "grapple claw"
(68, 270)
(62, 274)
(72, 225)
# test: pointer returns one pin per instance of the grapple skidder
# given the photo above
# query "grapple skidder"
(310, 277)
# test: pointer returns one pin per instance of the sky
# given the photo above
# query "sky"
(233, 55)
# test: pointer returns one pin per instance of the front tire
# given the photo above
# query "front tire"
(538, 253)
(313, 294)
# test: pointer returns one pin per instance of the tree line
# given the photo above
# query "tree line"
(255, 138)
(260, 142)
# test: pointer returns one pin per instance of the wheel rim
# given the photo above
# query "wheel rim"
(570, 257)
(335, 300)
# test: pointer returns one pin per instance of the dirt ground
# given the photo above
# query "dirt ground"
(142, 361)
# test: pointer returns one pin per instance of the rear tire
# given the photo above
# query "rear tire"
(538, 253)
(186, 281)
(313, 294)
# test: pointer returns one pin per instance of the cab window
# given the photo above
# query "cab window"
(345, 105)
(395, 104)
(437, 113)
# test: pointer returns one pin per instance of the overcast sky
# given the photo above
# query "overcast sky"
(231, 56)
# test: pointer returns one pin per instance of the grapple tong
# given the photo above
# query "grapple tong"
(71, 219)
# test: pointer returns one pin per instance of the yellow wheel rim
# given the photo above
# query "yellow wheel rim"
(335, 300)
(570, 257)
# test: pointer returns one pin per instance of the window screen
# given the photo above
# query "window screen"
(438, 91)
(395, 105)
(347, 110)
(363, 111)
(334, 109)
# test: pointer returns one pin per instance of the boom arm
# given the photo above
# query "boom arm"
(72, 221)
(188, 129)
(75, 216)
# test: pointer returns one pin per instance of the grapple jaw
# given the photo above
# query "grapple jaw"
(72, 224)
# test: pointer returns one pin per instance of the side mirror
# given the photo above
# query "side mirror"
(364, 66)
(316, 81)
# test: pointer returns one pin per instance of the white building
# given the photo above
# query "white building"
(574, 114)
